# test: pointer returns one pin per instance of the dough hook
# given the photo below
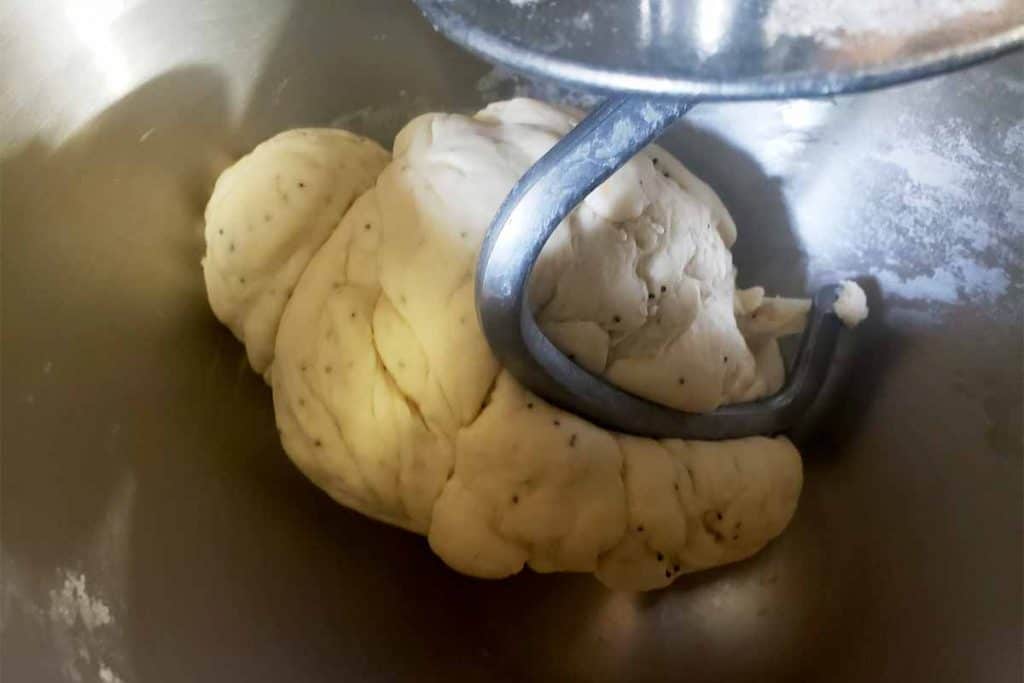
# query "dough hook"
(662, 57)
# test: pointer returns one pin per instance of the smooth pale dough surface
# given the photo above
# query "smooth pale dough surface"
(268, 215)
(388, 398)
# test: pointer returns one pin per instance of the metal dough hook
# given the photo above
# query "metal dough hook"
(757, 49)
(534, 209)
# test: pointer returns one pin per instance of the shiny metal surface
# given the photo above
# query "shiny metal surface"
(599, 145)
(731, 49)
(143, 486)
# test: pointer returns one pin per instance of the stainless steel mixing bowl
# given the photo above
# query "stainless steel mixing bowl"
(153, 530)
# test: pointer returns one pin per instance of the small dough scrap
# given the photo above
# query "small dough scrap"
(268, 215)
(762, 320)
(852, 304)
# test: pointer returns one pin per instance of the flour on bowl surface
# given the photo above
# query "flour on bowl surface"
(828, 21)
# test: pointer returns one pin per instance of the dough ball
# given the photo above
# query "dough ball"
(268, 215)
(387, 395)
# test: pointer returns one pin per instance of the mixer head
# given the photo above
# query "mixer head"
(731, 49)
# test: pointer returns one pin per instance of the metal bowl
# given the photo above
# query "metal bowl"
(153, 530)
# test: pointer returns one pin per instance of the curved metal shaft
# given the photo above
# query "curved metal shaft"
(604, 141)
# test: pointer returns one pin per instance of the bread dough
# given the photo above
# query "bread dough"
(387, 396)
(268, 215)
(852, 304)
